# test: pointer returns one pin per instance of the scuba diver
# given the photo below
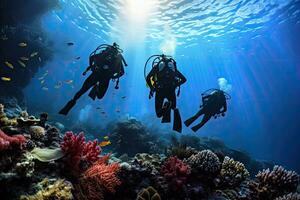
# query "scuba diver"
(163, 79)
(106, 63)
(214, 104)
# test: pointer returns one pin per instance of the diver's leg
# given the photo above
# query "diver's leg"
(88, 83)
(177, 125)
(204, 120)
(159, 99)
(193, 118)
(170, 104)
(103, 86)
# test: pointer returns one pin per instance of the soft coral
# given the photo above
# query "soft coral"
(7, 142)
(78, 151)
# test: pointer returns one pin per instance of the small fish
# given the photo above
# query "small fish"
(40, 59)
(105, 137)
(68, 81)
(22, 44)
(21, 63)
(118, 110)
(42, 81)
(70, 43)
(98, 108)
(24, 58)
(8, 64)
(103, 112)
(104, 143)
(58, 85)
(33, 54)
(45, 88)
(123, 97)
(77, 58)
(5, 79)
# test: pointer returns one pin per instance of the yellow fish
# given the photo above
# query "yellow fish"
(8, 64)
(22, 44)
(104, 143)
(105, 137)
(69, 81)
(21, 63)
(33, 54)
(24, 58)
(5, 79)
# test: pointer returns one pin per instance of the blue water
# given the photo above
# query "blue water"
(254, 45)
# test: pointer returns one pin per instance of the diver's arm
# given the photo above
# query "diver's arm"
(224, 108)
(86, 70)
(124, 61)
(182, 79)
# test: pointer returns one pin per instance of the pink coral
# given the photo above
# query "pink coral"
(79, 151)
(9, 141)
(175, 172)
(101, 177)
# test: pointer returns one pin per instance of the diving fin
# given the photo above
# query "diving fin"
(67, 107)
(177, 125)
(189, 121)
(93, 92)
(166, 118)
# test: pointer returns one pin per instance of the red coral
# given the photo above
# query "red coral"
(175, 172)
(78, 151)
(9, 141)
(98, 179)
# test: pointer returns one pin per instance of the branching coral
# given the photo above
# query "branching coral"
(11, 141)
(78, 151)
(148, 193)
(291, 196)
(205, 162)
(275, 183)
(233, 172)
(60, 189)
(4, 120)
(101, 177)
(175, 172)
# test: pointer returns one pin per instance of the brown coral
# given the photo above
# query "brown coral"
(37, 132)
(233, 173)
(205, 161)
(291, 196)
(4, 120)
(148, 193)
(60, 189)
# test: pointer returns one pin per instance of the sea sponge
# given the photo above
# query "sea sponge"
(291, 196)
(272, 184)
(233, 173)
(37, 132)
(205, 162)
(148, 193)
(46, 154)
(25, 168)
(60, 190)
(4, 120)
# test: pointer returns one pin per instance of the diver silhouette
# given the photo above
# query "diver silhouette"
(214, 104)
(163, 79)
(106, 63)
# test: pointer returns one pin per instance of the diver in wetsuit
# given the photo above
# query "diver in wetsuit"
(163, 79)
(106, 65)
(214, 104)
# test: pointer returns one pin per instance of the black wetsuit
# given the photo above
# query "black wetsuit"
(213, 104)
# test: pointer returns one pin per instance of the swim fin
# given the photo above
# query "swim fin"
(166, 118)
(93, 92)
(67, 107)
(177, 124)
(189, 121)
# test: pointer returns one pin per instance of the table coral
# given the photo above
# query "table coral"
(205, 162)
(233, 172)
(60, 189)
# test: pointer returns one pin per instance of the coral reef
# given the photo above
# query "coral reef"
(270, 184)
(60, 189)
(25, 168)
(175, 172)
(149, 161)
(99, 178)
(291, 196)
(7, 142)
(148, 193)
(205, 162)
(233, 172)
(78, 152)
(37, 132)
(4, 120)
